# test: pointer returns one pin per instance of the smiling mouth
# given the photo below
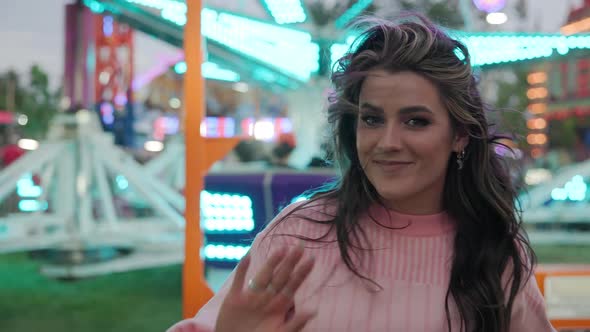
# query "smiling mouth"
(391, 166)
(391, 162)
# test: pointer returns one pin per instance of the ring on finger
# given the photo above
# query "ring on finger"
(253, 286)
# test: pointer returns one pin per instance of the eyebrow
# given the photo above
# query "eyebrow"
(403, 111)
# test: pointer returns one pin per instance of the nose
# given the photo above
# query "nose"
(391, 138)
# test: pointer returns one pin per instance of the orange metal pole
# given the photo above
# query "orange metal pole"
(195, 292)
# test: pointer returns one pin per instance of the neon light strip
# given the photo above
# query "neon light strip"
(173, 11)
(290, 51)
(491, 49)
(496, 49)
(222, 212)
(573, 190)
(285, 11)
(352, 12)
(220, 252)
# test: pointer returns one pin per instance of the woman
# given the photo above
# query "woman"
(420, 232)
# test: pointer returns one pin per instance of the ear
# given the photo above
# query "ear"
(460, 142)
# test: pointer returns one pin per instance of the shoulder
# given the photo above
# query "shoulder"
(303, 218)
(320, 209)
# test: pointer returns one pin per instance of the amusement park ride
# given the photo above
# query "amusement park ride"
(83, 176)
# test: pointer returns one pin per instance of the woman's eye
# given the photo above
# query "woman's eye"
(417, 122)
(371, 120)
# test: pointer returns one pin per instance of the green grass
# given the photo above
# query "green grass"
(147, 300)
(574, 254)
(142, 301)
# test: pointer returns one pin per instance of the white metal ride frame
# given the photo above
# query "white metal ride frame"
(77, 166)
(169, 164)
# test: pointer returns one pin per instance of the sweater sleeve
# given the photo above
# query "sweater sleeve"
(529, 312)
(262, 246)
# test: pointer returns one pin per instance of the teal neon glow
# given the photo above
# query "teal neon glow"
(171, 10)
(220, 252)
(493, 49)
(286, 11)
(299, 198)
(574, 190)
(95, 6)
(352, 12)
(460, 55)
(122, 182)
(222, 212)
(211, 71)
(288, 50)
(25, 187)
(180, 68)
(337, 50)
(31, 205)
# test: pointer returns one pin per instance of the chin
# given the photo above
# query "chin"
(397, 195)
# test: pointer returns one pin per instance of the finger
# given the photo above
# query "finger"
(284, 298)
(264, 275)
(298, 322)
(238, 283)
(286, 268)
(301, 273)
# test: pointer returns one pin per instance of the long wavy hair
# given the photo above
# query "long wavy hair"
(490, 243)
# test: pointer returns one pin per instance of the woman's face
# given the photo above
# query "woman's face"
(404, 140)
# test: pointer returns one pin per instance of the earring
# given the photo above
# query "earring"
(460, 160)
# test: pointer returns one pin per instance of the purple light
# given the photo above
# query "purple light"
(212, 125)
(106, 112)
(171, 125)
(107, 26)
(230, 127)
(286, 125)
(120, 99)
(490, 6)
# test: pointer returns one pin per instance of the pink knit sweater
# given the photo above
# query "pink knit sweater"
(412, 265)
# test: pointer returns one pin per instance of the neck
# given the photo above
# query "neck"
(416, 206)
(412, 224)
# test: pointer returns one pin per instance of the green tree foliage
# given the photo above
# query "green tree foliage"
(511, 102)
(564, 132)
(36, 100)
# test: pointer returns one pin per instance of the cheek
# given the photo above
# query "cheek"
(365, 143)
(361, 143)
(434, 152)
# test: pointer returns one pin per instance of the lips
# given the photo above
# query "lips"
(391, 162)
(391, 165)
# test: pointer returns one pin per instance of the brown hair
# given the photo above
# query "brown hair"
(489, 242)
